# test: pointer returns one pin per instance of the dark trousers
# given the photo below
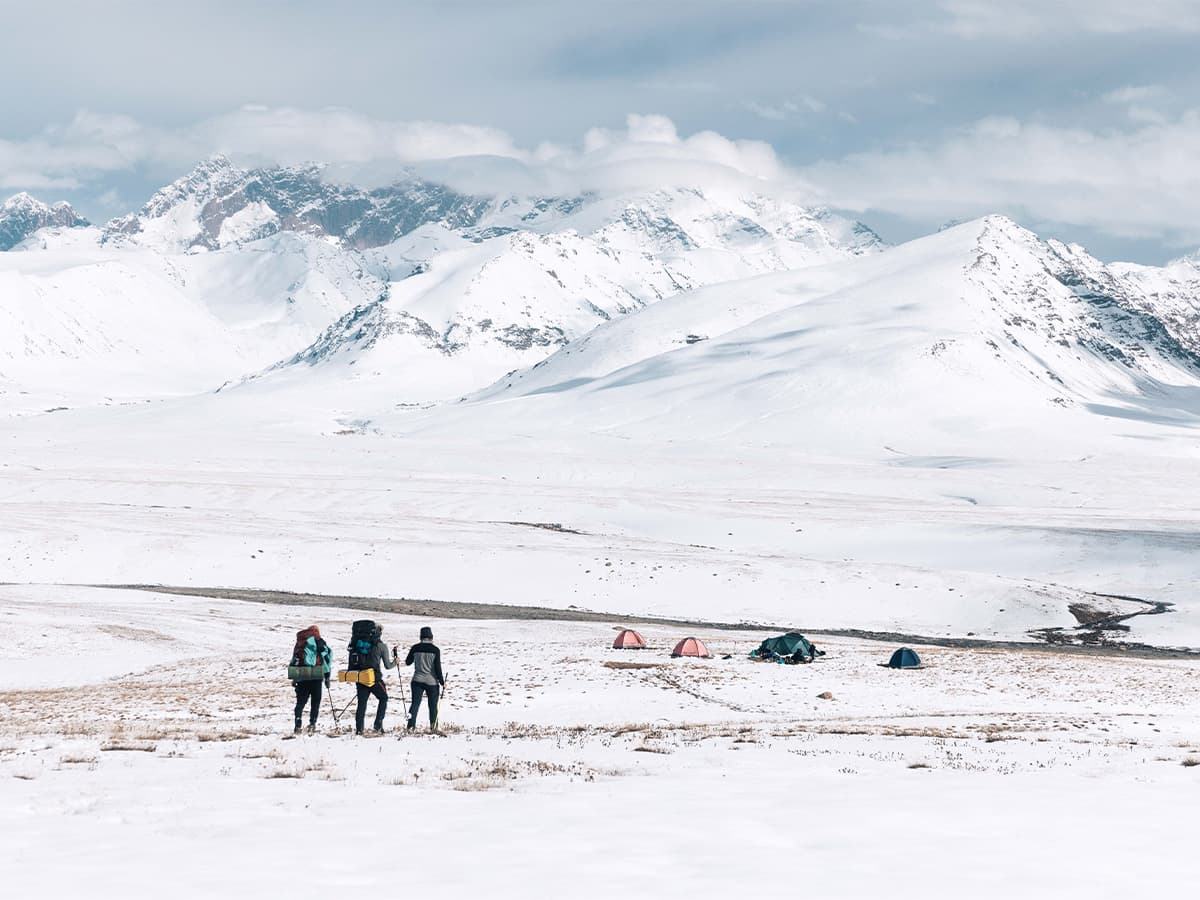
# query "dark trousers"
(360, 712)
(429, 690)
(304, 691)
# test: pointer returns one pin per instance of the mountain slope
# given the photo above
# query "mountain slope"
(474, 308)
(981, 335)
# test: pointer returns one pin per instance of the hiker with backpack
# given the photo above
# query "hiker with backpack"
(309, 669)
(427, 679)
(368, 651)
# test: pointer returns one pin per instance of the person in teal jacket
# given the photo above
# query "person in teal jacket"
(312, 651)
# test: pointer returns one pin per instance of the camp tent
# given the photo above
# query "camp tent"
(691, 646)
(629, 639)
(786, 647)
(904, 658)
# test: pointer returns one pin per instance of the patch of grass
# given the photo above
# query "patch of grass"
(78, 760)
(286, 772)
(1191, 761)
(477, 784)
(919, 765)
(134, 746)
(241, 735)
(617, 664)
(273, 753)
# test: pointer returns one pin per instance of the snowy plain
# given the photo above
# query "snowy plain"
(975, 436)
(145, 741)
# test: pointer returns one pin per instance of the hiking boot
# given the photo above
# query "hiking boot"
(312, 728)
(411, 726)
(297, 729)
(377, 730)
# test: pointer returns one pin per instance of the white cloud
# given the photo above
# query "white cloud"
(1145, 103)
(1135, 93)
(1137, 182)
(1015, 18)
(772, 112)
(648, 151)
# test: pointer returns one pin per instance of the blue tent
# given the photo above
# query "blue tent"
(904, 658)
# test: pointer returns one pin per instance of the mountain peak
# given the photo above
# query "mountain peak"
(22, 214)
(22, 200)
(1188, 259)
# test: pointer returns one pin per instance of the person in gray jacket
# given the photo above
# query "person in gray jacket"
(427, 680)
(379, 658)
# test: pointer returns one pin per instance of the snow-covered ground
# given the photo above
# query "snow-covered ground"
(946, 546)
(146, 747)
(976, 435)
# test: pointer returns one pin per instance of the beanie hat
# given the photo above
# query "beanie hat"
(426, 632)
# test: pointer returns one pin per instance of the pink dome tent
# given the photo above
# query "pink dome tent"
(691, 646)
(629, 639)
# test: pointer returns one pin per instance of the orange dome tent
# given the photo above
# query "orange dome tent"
(629, 639)
(691, 646)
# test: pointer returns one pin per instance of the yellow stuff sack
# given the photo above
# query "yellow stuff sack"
(365, 677)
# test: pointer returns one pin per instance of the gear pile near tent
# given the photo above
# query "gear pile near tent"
(691, 646)
(629, 639)
(790, 649)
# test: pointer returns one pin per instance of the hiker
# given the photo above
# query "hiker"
(378, 658)
(427, 679)
(311, 663)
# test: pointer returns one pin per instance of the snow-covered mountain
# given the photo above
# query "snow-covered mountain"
(981, 334)
(219, 204)
(435, 292)
(22, 215)
(233, 278)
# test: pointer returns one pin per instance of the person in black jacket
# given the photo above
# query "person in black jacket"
(379, 658)
(427, 680)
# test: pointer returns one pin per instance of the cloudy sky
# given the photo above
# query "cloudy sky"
(1080, 119)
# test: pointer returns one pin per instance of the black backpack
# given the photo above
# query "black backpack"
(363, 634)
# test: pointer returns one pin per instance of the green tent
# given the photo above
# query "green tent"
(792, 645)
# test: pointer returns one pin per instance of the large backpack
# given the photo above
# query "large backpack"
(363, 634)
(309, 657)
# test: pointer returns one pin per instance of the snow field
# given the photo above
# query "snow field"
(990, 548)
(160, 749)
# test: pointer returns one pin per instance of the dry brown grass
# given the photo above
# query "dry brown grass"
(1191, 761)
(286, 772)
(616, 664)
(232, 735)
(135, 746)
(272, 753)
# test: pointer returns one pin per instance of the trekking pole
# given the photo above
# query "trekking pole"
(332, 711)
(437, 720)
(346, 708)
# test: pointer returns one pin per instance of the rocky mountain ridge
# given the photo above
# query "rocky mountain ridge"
(22, 215)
